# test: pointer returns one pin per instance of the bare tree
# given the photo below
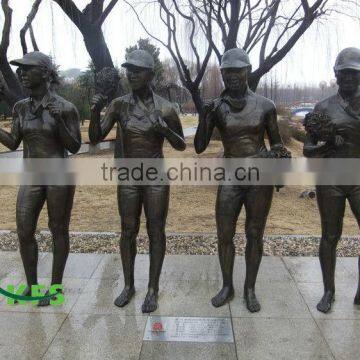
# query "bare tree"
(271, 27)
(171, 14)
(10, 88)
(28, 26)
(89, 22)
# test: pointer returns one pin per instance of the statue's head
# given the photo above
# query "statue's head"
(235, 67)
(139, 66)
(36, 69)
(347, 70)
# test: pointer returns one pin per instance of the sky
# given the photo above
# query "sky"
(310, 62)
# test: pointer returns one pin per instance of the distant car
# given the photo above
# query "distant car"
(301, 111)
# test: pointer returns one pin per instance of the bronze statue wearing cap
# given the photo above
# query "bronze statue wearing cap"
(242, 118)
(49, 127)
(333, 131)
(145, 120)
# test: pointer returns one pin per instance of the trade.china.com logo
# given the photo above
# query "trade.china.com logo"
(14, 294)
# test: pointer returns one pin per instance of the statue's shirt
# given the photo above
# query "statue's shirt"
(138, 137)
(346, 118)
(38, 129)
(242, 124)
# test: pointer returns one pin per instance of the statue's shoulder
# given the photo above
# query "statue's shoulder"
(21, 104)
(162, 101)
(66, 104)
(326, 104)
(167, 107)
(264, 102)
(123, 99)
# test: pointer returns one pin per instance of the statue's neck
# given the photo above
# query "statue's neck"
(39, 92)
(143, 93)
(237, 94)
(346, 95)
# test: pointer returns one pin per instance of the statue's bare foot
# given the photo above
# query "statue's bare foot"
(46, 302)
(26, 292)
(252, 302)
(357, 298)
(151, 302)
(125, 296)
(324, 304)
(223, 296)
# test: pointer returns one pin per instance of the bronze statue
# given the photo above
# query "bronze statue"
(144, 121)
(242, 117)
(49, 127)
(335, 123)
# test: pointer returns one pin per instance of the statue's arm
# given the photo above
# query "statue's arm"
(313, 149)
(13, 138)
(174, 132)
(272, 128)
(69, 129)
(205, 128)
(100, 128)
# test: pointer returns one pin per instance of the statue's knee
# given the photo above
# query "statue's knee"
(254, 236)
(129, 231)
(59, 230)
(155, 231)
(26, 234)
(330, 239)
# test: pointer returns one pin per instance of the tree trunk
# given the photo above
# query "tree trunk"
(198, 102)
(254, 82)
(97, 48)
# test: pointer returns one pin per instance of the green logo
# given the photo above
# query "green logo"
(14, 295)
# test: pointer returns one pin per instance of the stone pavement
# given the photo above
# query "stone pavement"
(89, 326)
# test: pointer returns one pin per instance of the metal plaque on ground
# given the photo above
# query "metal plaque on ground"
(189, 329)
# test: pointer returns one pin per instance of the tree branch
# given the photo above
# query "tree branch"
(107, 11)
(27, 25)
(5, 40)
(33, 40)
(73, 12)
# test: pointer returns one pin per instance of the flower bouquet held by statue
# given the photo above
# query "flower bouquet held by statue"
(320, 127)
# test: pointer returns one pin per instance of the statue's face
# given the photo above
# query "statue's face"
(235, 78)
(138, 77)
(348, 80)
(32, 76)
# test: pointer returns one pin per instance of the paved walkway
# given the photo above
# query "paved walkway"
(89, 326)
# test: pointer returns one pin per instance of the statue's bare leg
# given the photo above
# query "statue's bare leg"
(257, 204)
(156, 204)
(129, 204)
(29, 204)
(228, 205)
(59, 203)
(331, 204)
(354, 201)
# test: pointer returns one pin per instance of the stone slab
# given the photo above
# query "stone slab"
(269, 339)
(88, 336)
(189, 329)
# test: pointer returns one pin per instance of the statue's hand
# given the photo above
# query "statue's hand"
(159, 123)
(54, 110)
(98, 102)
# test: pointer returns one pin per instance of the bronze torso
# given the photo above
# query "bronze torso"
(242, 126)
(137, 137)
(347, 124)
(38, 129)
